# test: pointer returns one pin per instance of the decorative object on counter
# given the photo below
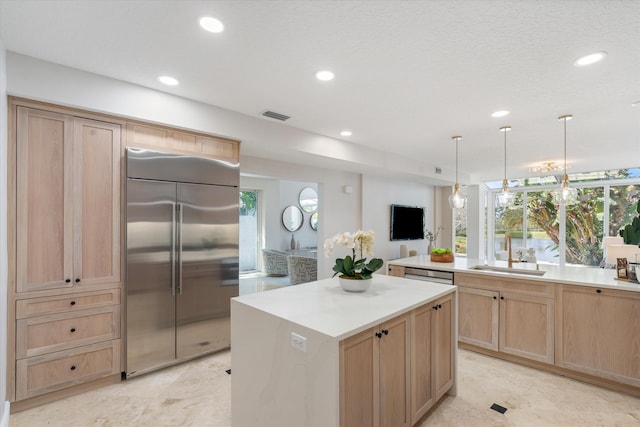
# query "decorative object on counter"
(404, 252)
(293, 243)
(456, 200)
(441, 255)
(631, 232)
(505, 199)
(622, 268)
(354, 273)
(432, 237)
(565, 195)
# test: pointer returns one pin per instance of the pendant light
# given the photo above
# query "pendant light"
(565, 195)
(457, 200)
(505, 198)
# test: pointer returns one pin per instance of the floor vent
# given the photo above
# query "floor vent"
(274, 115)
(498, 408)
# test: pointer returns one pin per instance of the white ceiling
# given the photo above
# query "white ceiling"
(409, 74)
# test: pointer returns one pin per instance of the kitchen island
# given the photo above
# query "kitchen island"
(580, 322)
(315, 355)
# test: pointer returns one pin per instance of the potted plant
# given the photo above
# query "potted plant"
(355, 274)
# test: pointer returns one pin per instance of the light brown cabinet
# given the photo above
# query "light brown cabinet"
(64, 301)
(431, 355)
(374, 376)
(160, 138)
(506, 315)
(391, 375)
(396, 270)
(599, 332)
(68, 201)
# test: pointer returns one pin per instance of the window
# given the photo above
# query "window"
(607, 202)
(461, 231)
(249, 236)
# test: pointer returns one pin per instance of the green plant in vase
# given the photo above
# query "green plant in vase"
(352, 266)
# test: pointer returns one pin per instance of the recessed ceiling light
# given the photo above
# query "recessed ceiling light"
(589, 59)
(346, 133)
(324, 75)
(500, 113)
(167, 80)
(211, 24)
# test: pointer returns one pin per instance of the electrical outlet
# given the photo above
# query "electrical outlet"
(298, 342)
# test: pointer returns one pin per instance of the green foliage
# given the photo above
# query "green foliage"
(441, 251)
(631, 232)
(360, 269)
(248, 203)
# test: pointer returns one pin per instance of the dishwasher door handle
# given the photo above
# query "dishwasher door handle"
(429, 279)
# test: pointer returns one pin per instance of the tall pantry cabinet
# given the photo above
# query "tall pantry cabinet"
(65, 299)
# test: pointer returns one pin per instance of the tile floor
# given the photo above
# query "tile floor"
(197, 394)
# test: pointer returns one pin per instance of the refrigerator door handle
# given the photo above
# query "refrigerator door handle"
(180, 209)
(173, 249)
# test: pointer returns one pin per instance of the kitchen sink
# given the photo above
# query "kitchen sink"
(508, 270)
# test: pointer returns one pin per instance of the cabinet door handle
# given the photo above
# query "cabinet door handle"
(68, 281)
(598, 291)
(495, 297)
(72, 303)
(378, 334)
(73, 367)
(78, 280)
(386, 332)
(72, 330)
(435, 307)
(439, 306)
(501, 297)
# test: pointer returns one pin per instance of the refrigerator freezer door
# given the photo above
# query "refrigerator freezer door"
(209, 256)
(150, 303)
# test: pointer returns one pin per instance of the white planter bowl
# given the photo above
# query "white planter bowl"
(354, 285)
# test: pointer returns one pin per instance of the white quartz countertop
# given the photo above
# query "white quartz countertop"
(324, 307)
(586, 276)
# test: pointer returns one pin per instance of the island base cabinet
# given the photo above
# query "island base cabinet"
(391, 375)
(599, 333)
(374, 381)
(431, 355)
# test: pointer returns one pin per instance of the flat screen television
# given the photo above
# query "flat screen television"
(407, 222)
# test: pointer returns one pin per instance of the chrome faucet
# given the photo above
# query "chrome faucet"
(507, 246)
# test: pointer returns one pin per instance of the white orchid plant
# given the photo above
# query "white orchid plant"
(359, 242)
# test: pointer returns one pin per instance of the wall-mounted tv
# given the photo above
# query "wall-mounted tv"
(407, 222)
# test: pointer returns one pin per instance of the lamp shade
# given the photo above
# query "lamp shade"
(630, 252)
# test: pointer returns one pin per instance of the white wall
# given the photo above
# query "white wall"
(3, 232)
(378, 194)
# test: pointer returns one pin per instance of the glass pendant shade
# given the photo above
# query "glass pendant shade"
(565, 195)
(505, 198)
(457, 200)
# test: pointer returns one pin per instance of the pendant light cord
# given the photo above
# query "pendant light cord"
(456, 160)
(505, 154)
(565, 145)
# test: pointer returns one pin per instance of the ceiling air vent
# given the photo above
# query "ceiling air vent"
(274, 115)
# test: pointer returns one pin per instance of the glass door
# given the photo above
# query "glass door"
(249, 231)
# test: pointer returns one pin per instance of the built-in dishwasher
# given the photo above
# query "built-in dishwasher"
(429, 275)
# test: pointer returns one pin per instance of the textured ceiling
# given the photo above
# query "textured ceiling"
(409, 74)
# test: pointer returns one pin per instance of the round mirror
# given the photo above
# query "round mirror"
(313, 221)
(292, 218)
(308, 199)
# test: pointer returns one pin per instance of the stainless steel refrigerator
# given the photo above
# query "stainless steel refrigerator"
(182, 257)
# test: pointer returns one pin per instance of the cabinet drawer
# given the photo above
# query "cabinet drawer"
(55, 371)
(66, 303)
(45, 334)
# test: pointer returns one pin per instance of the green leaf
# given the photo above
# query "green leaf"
(374, 264)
